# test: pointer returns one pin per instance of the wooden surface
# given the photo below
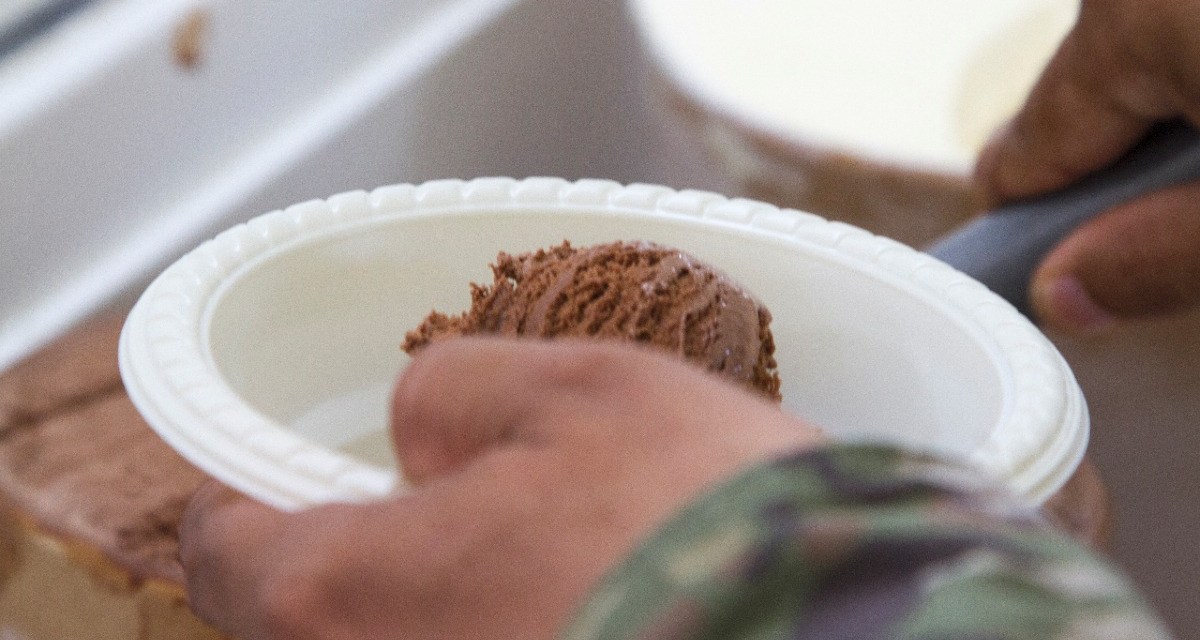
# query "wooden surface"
(90, 499)
(77, 459)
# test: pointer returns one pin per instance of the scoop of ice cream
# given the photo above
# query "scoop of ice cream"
(633, 291)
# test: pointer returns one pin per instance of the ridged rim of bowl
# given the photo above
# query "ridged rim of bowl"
(178, 390)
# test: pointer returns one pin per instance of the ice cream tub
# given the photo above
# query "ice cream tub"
(266, 355)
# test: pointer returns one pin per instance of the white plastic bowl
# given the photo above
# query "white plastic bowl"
(266, 355)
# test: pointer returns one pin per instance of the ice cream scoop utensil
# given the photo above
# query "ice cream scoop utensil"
(1002, 249)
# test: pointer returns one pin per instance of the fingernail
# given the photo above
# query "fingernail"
(1065, 303)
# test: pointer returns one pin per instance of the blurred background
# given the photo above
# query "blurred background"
(131, 130)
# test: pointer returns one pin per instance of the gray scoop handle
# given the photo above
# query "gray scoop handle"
(1002, 249)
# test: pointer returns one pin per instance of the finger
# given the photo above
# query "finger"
(461, 397)
(456, 399)
(1139, 259)
(1090, 105)
(222, 538)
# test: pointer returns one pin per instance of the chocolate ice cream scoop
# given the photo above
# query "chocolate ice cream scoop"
(634, 291)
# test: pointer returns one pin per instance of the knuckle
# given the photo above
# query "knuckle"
(291, 605)
(418, 392)
(298, 598)
(590, 366)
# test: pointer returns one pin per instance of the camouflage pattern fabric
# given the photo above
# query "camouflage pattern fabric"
(862, 543)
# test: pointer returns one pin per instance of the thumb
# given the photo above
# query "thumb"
(462, 398)
(1141, 258)
(455, 400)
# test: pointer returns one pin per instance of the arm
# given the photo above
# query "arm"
(861, 542)
(536, 467)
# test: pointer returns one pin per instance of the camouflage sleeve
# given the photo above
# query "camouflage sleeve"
(861, 542)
